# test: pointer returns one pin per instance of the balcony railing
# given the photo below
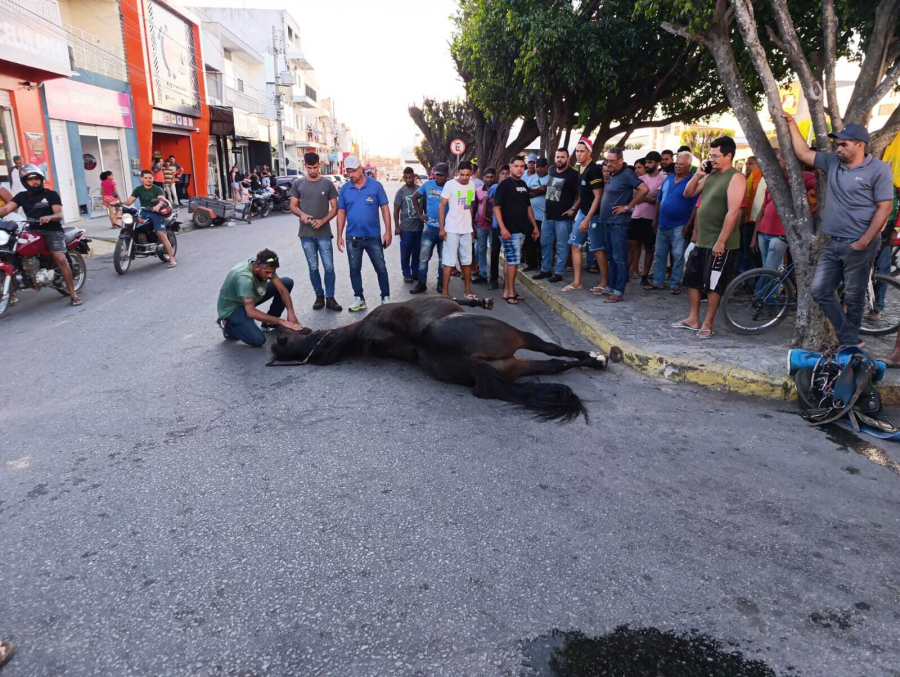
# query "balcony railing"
(242, 100)
(90, 53)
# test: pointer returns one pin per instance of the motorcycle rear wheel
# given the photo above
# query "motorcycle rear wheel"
(121, 259)
(79, 273)
(286, 206)
(173, 240)
(266, 208)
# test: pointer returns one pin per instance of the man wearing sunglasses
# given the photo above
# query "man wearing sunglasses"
(248, 285)
(860, 193)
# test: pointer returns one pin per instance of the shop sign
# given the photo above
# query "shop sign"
(173, 60)
(78, 102)
(33, 40)
(167, 119)
(244, 125)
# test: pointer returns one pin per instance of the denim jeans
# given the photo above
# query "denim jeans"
(159, 223)
(239, 327)
(313, 248)
(882, 267)
(617, 255)
(771, 249)
(841, 262)
(431, 238)
(375, 249)
(495, 254)
(555, 237)
(410, 244)
(482, 236)
(668, 240)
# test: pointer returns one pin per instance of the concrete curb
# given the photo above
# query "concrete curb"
(681, 370)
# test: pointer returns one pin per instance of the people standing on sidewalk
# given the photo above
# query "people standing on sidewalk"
(623, 190)
(495, 230)
(159, 179)
(587, 227)
(671, 215)
(640, 231)
(748, 257)
(359, 203)
(408, 226)
(248, 285)
(455, 221)
(483, 215)
(168, 170)
(314, 200)
(710, 267)
(537, 189)
(562, 204)
(111, 198)
(235, 177)
(430, 193)
(15, 179)
(531, 164)
(857, 206)
(512, 207)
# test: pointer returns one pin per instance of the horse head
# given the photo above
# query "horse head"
(314, 347)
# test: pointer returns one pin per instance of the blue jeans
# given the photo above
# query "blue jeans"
(882, 267)
(555, 236)
(841, 262)
(482, 237)
(159, 223)
(617, 255)
(771, 249)
(431, 238)
(239, 327)
(375, 249)
(314, 247)
(668, 240)
(410, 244)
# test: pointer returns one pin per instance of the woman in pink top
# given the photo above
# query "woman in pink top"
(110, 198)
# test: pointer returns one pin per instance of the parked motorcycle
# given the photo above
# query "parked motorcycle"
(281, 199)
(138, 240)
(26, 262)
(261, 203)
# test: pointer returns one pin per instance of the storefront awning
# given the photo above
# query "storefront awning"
(221, 121)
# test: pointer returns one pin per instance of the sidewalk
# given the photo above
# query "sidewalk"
(754, 365)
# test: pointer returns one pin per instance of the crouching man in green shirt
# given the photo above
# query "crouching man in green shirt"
(248, 285)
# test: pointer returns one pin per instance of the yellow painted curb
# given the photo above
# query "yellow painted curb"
(681, 370)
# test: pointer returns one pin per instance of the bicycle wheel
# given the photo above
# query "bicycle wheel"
(758, 300)
(888, 320)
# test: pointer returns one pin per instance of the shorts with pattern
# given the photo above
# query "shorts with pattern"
(109, 200)
(55, 239)
(698, 270)
(457, 248)
(595, 234)
(512, 248)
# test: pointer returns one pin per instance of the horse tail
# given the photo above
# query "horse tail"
(549, 401)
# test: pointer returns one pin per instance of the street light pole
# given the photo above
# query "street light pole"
(275, 50)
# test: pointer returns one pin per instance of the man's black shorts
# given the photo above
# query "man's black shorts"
(642, 230)
(699, 268)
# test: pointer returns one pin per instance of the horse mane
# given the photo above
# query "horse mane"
(325, 346)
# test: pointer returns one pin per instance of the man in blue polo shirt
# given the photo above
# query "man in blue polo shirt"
(430, 194)
(359, 202)
(673, 211)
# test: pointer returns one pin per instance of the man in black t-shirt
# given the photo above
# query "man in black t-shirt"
(562, 205)
(512, 207)
(44, 206)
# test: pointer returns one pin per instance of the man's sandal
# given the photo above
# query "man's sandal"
(7, 649)
(570, 287)
(76, 301)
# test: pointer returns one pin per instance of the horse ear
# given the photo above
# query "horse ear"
(282, 340)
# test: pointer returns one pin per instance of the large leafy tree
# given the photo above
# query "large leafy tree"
(811, 35)
(440, 123)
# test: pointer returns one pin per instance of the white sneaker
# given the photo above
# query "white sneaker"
(358, 304)
(386, 299)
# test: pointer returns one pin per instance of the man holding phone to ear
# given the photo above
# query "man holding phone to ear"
(710, 267)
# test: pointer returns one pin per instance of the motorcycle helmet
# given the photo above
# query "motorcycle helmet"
(30, 171)
(165, 210)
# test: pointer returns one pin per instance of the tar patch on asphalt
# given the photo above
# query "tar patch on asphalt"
(636, 652)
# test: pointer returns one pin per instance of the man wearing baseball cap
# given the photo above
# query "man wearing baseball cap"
(359, 202)
(531, 161)
(857, 206)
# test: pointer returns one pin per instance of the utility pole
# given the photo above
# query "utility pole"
(275, 50)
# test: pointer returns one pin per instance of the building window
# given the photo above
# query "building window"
(290, 33)
(886, 109)
(310, 92)
(240, 84)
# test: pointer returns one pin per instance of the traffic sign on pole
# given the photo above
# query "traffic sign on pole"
(457, 147)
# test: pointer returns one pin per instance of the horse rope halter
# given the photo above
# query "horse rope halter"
(306, 359)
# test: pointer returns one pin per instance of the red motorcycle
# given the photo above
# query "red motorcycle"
(26, 263)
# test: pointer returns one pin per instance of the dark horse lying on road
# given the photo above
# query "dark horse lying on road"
(470, 350)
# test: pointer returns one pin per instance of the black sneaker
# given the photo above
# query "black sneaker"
(331, 304)
(644, 280)
(409, 279)
(493, 285)
(320, 303)
(555, 278)
(479, 280)
(419, 288)
(541, 276)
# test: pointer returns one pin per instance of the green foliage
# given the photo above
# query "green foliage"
(699, 138)
(440, 122)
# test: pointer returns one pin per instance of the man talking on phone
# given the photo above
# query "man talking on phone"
(359, 202)
(710, 267)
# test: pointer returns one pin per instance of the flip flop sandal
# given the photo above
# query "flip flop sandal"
(652, 287)
(471, 297)
(569, 287)
(13, 300)
(613, 299)
(76, 301)
(704, 334)
(681, 324)
(518, 298)
(601, 292)
(172, 264)
(676, 291)
(891, 365)
(9, 649)
(511, 300)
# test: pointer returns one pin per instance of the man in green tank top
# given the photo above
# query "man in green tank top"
(710, 267)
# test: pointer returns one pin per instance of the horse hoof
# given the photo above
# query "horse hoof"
(601, 358)
(489, 303)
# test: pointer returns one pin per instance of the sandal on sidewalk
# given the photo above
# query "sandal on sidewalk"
(704, 334)
(676, 291)
(600, 291)
(75, 300)
(681, 324)
(511, 300)
(613, 299)
(570, 287)
(172, 264)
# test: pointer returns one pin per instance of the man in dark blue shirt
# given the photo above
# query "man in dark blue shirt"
(430, 194)
(359, 203)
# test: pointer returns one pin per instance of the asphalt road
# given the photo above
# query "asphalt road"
(169, 506)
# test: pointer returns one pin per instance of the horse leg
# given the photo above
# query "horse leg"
(539, 345)
(513, 367)
(486, 303)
